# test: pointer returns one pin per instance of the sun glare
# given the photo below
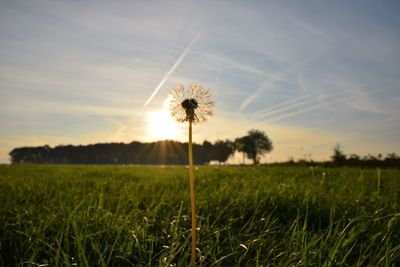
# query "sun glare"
(161, 125)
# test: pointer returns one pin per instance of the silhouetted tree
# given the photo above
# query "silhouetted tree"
(392, 160)
(39, 154)
(353, 160)
(222, 150)
(338, 157)
(255, 144)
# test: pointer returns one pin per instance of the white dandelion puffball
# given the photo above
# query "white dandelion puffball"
(192, 104)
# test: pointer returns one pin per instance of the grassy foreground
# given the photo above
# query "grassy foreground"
(247, 216)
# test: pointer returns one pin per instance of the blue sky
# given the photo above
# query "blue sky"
(308, 73)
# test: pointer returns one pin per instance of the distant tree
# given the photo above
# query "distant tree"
(242, 144)
(207, 148)
(392, 160)
(338, 156)
(392, 156)
(38, 154)
(255, 144)
(207, 145)
(353, 160)
(354, 157)
(222, 150)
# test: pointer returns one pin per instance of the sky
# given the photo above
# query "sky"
(310, 74)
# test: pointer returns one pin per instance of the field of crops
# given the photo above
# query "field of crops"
(248, 216)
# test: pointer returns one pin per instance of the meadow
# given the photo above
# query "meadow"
(86, 215)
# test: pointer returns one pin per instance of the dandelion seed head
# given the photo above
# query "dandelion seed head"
(193, 104)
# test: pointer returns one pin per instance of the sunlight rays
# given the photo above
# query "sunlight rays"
(161, 125)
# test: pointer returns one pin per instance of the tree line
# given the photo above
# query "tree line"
(160, 152)
(253, 145)
(339, 158)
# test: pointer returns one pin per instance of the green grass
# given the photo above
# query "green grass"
(247, 216)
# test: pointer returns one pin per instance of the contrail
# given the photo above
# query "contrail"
(283, 105)
(127, 65)
(162, 82)
(171, 70)
(335, 100)
(281, 109)
(302, 102)
(256, 93)
(278, 76)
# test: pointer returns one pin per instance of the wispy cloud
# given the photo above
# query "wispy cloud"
(305, 26)
(259, 90)
(287, 105)
(129, 64)
(161, 83)
(284, 75)
(328, 99)
(227, 61)
(361, 100)
(171, 70)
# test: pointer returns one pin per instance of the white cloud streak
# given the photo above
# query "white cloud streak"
(280, 76)
(320, 104)
(161, 83)
(171, 70)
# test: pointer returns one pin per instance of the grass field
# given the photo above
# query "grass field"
(248, 216)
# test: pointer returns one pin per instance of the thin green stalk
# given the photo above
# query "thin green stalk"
(192, 198)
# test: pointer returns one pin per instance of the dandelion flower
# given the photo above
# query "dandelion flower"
(193, 104)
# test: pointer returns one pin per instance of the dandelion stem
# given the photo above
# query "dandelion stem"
(192, 198)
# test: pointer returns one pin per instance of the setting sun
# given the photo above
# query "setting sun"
(161, 125)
